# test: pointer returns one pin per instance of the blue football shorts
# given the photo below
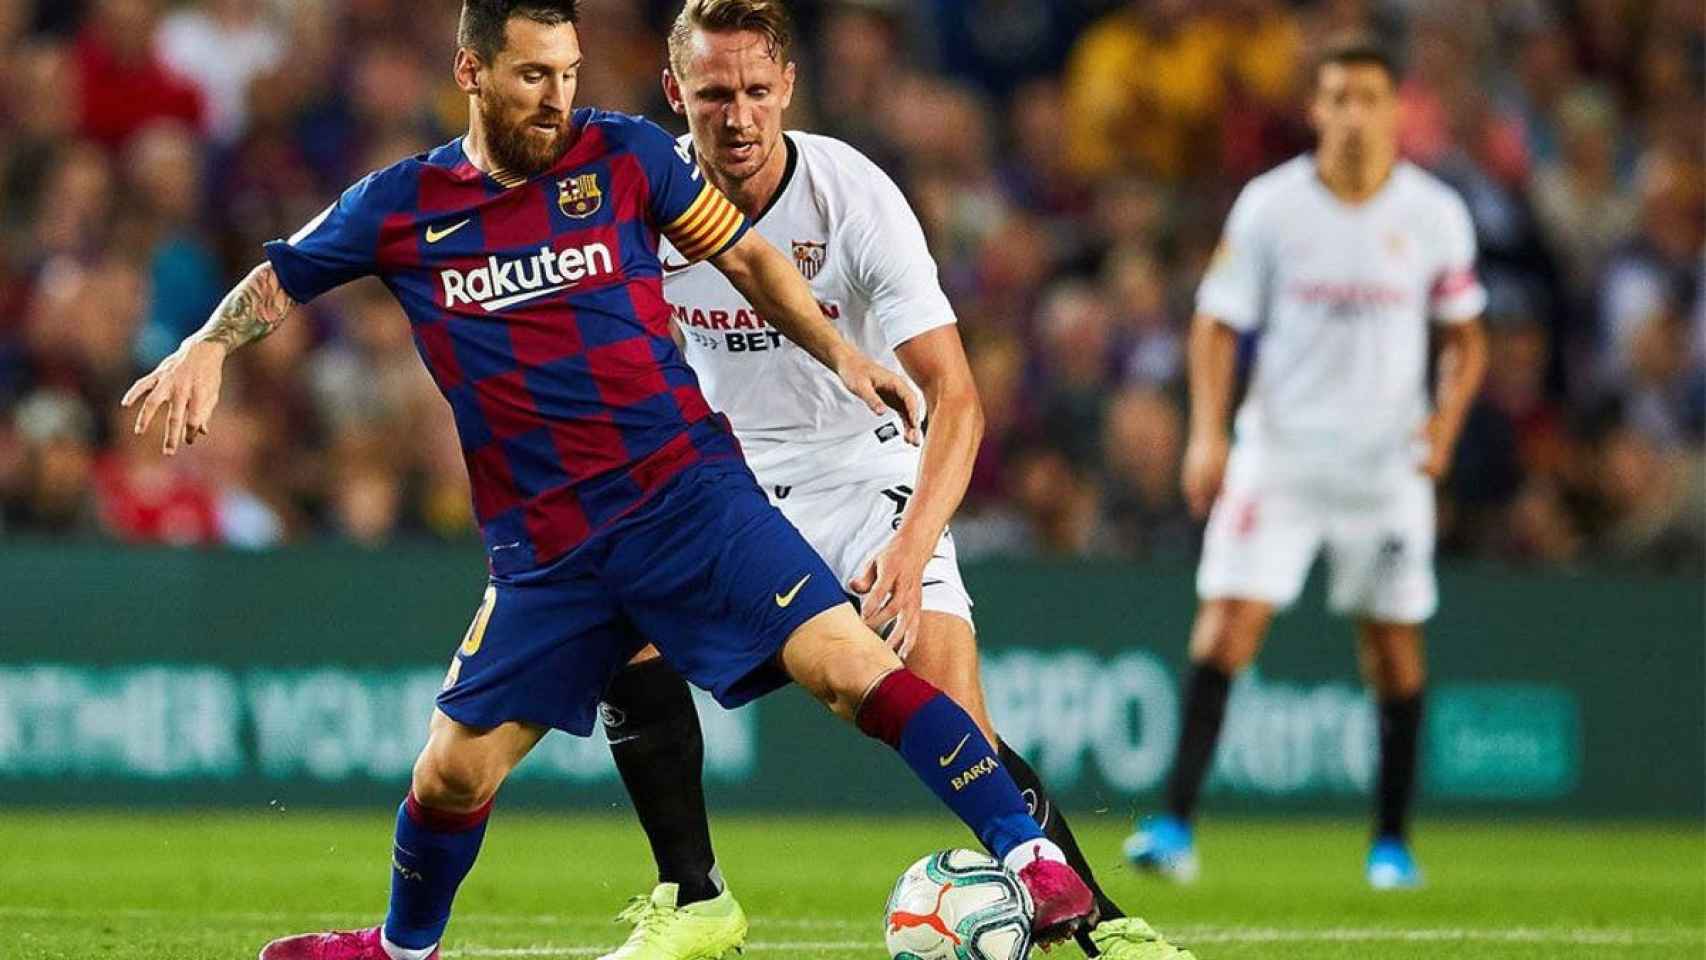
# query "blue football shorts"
(707, 570)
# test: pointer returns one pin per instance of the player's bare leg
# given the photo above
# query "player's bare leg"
(838, 660)
(946, 655)
(1394, 665)
(1225, 638)
(1393, 658)
(1228, 633)
(461, 767)
(439, 830)
(852, 672)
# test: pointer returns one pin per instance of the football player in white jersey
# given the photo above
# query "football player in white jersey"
(1339, 260)
(871, 502)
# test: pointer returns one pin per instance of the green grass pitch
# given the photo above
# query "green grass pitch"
(77, 886)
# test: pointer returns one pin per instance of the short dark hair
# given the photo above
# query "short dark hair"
(1358, 50)
(484, 21)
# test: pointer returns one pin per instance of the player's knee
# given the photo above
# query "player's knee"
(1394, 663)
(836, 658)
(851, 676)
(1224, 639)
(849, 671)
(446, 780)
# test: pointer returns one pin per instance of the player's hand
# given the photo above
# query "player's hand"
(881, 389)
(1203, 470)
(185, 386)
(892, 585)
(1438, 442)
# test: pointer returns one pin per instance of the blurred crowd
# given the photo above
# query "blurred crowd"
(1071, 160)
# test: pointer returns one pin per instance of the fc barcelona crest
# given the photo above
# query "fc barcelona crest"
(579, 196)
(809, 257)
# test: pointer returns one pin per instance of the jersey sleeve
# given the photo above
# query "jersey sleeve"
(695, 217)
(339, 245)
(1232, 289)
(890, 262)
(1456, 295)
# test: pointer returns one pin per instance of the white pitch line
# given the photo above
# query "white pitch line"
(347, 920)
(357, 919)
(1587, 936)
(755, 947)
(1581, 937)
(145, 913)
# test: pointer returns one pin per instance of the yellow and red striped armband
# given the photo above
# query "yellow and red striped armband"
(707, 226)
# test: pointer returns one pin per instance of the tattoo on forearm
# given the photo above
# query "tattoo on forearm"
(253, 309)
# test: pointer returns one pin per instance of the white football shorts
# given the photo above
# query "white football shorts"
(1275, 514)
(848, 522)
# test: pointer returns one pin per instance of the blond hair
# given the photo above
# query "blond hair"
(767, 18)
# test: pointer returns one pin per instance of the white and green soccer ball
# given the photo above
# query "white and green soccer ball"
(958, 905)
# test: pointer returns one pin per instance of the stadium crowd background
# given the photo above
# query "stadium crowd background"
(1071, 160)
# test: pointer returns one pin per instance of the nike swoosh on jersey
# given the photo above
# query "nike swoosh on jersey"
(944, 761)
(434, 235)
(783, 599)
(675, 267)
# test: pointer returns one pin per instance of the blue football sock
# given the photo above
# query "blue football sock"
(435, 849)
(942, 745)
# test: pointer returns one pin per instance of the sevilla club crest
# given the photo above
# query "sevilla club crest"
(579, 196)
(809, 257)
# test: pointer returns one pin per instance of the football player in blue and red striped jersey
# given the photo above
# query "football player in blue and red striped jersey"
(615, 506)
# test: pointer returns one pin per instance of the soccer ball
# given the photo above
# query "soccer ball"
(958, 905)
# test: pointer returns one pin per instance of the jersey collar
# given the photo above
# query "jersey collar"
(787, 177)
(577, 122)
(1380, 193)
(781, 185)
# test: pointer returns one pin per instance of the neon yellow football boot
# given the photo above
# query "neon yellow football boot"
(1129, 938)
(712, 929)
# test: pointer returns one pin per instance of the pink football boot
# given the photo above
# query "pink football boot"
(337, 945)
(1062, 900)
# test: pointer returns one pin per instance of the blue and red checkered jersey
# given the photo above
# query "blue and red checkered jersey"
(537, 305)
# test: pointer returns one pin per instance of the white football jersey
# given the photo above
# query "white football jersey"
(1341, 296)
(858, 244)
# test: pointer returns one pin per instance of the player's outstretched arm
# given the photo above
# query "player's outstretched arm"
(772, 284)
(1213, 361)
(1462, 366)
(893, 580)
(186, 384)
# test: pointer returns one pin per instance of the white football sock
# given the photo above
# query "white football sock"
(403, 953)
(1030, 851)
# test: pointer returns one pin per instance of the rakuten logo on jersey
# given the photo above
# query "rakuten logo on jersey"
(501, 284)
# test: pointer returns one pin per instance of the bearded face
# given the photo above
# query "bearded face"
(523, 94)
(523, 138)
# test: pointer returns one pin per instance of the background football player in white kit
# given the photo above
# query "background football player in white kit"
(873, 504)
(1339, 259)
